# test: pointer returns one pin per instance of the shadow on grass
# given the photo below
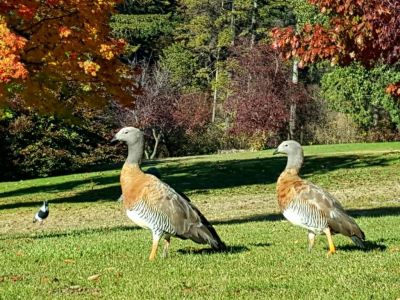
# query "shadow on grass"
(186, 175)
(369, 246)
(62, 187)
(205, 175)
(254, 218)
(75, 232)
(356, 213)
(230, 250)
(86, 179)
(105, 194)
(262, 245)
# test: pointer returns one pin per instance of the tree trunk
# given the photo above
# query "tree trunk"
(253, 24)
(233, 23)
(157, 138)
(293, 106)
(375, 116)
(214, 106)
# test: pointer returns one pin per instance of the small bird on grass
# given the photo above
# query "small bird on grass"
(154, 205)
(42, 213)
(309, 206)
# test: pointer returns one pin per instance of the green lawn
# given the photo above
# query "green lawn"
(89, 249)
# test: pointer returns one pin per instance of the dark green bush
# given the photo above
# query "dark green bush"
(34, 145)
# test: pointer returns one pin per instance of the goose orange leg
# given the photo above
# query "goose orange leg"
(154, 247)
(328, 234)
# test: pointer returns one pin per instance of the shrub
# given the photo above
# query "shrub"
(36, 145)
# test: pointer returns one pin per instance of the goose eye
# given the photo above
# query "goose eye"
(286, 145)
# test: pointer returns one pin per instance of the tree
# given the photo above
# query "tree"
(362, 30)
(262, 92)
(359, 92)
(165, 112)
(210, 28)
(181, 65)
(57, 53)
(147, 25)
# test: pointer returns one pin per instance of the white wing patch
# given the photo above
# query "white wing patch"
(137, 219)
(293, 217)
(333, 214)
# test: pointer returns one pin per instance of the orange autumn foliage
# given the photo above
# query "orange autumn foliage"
(48, 45)
(10, 45)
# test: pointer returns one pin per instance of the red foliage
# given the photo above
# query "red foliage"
(360, 30)
(192, 112)
(168, 111)
(262, 92)
(154, 111)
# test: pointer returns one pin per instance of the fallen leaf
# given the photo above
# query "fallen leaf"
(69, 261)
(15, 278)
(94, 277)
(44, 279)
(394, 249)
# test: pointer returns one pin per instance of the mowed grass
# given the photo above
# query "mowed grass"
(88, 249)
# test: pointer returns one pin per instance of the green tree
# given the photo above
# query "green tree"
(181, 64)
(359, 92)
(147, 25)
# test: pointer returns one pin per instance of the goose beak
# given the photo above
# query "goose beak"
(114, 140)
(275, 152)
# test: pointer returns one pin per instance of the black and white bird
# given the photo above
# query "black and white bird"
(42, 213)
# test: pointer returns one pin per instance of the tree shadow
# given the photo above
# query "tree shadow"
(71, 184)
(262, 245)
(105, 194)
(60, 187)
(375, 212)
(75, 232)
(233, 249)
(254, 218)
(205, 175)
(356, 213)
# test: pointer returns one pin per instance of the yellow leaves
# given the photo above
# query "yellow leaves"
(64, 32)
(360, 40)
(92, 30)
(86, 87)
(94, 277)
(89, 67)
(334, 60)
(107, 51)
